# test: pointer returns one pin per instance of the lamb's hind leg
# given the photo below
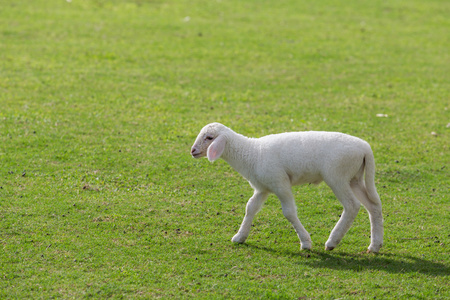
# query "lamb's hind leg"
(375, 215)
(290, 212)
(254, 205)
(351, 205)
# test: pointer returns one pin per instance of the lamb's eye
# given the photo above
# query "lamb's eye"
(209, 138)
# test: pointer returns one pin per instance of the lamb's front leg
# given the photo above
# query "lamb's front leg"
(290, 212)
(254, 205)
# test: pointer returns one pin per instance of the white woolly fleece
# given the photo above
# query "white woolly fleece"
(274, 163)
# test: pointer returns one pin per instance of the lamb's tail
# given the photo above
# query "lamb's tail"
(370, 178)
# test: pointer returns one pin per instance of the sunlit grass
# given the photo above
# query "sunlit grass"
(101, 101)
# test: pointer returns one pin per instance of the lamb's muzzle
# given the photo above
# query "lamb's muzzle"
(272, 164)
(194, 152)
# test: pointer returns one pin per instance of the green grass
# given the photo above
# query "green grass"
(100, 102)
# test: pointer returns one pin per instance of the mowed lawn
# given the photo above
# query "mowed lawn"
(100, 102)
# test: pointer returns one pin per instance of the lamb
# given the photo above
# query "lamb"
(274, 163)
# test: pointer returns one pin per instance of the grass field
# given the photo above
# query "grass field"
(101, 100)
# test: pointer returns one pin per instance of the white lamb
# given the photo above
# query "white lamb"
(274, 163)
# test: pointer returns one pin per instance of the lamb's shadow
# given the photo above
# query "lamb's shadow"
(363, 261)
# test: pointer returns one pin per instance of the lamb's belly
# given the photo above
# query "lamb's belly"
(306, 178)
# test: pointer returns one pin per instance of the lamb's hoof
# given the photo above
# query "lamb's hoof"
(373, 249)
(238, 239)
(306, 246)
(330, 245)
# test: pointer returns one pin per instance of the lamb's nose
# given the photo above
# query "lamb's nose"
(193, 150)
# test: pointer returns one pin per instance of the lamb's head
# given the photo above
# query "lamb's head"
(210, 141)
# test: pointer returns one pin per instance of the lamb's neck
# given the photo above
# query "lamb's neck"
(241, 153)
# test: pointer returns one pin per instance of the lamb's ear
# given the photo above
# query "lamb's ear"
(216, 148)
